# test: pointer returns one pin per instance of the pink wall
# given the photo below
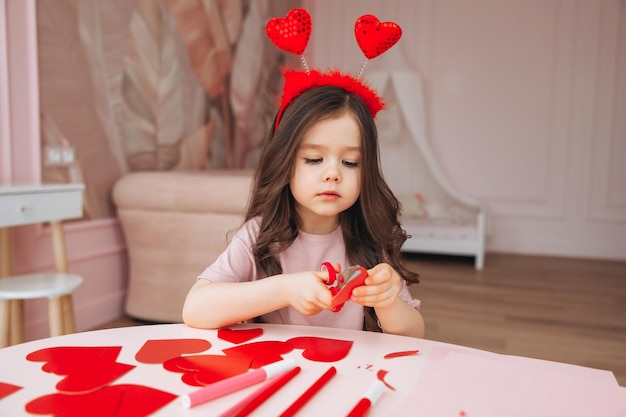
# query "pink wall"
(95, 248)
(525, 104)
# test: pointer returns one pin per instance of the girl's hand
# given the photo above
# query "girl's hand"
(381, 288)
(307, 291)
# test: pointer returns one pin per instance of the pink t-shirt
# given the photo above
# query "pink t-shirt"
(307, 252)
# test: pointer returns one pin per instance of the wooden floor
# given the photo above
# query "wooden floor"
(559, 309)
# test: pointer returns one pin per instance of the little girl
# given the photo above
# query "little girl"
(318, 195)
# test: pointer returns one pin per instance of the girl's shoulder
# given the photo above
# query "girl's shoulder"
(249, 231)
(253, 224)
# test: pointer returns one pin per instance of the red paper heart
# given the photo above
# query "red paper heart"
(374, 37)
(239, 336)
(86, 368)
(125, 400)
(262, 353)
(200, 370)
(158, 351)
(320, 349)
(7, 389)
(292, 33)
(356, 276)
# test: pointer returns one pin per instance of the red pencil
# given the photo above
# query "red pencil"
(256, 398)
(309, 393)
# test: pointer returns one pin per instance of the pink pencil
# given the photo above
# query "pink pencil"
(256, 398)
(237, 382)
(370, 397)
(309, 393)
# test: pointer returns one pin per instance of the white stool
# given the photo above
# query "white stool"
(28, 205)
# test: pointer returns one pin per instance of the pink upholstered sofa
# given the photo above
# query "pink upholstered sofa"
(175, 224)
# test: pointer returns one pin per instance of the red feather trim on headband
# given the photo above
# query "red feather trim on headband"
(297, 82)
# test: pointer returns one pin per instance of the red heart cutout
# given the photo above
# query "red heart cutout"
(261, 353)
(125, 400)
(86, 368)
(239, 336)
(200, 370)
(375, 38)
(292, 33)
(158, 351)
(320, 349)
(7, 389)
(356, 276)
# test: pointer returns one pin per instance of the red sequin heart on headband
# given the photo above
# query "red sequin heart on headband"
(292, 33)
(373, 37)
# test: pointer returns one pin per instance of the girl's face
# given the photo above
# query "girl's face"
(327, 173)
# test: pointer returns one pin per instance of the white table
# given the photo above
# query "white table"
(416, 378)
(29, 204)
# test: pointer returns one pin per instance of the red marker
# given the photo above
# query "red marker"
(309, 393)
(370, 397)
(266, 390)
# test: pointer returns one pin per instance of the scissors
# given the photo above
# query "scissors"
(341, 284)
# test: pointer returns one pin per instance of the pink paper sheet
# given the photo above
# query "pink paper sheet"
(489, 385)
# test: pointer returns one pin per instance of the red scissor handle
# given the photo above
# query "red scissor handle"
(332, 274)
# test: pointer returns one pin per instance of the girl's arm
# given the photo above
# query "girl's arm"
(401, 319)
(217, 304)
(381, 292)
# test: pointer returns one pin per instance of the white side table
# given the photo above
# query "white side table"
(20, 205)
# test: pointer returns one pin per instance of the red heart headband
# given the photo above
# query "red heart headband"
(292, 33)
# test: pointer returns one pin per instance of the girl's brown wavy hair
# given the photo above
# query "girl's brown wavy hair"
(371, 229)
